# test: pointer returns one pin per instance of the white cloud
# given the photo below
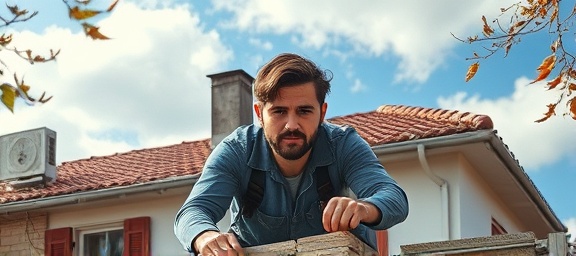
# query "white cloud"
(373, 28)
(514, 117)
(358, 86)
(264, 45)
(146, 87)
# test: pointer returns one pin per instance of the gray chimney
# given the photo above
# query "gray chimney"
(231, 103)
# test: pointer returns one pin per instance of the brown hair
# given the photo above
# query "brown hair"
(289, 69)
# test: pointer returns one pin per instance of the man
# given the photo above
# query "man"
(291, 147)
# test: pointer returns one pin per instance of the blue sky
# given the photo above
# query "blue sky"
(148, 87)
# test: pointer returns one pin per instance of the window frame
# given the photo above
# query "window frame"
(80, 231)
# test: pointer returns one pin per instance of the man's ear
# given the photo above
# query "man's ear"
(323, 110)
(258, 111)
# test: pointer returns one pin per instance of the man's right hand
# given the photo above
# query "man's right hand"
(216, 243)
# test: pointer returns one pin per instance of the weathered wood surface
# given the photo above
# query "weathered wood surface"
(337, 243)
(521, 244)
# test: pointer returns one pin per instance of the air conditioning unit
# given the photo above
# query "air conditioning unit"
(28, 154)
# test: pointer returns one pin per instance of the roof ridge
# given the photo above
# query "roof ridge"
(477, 121)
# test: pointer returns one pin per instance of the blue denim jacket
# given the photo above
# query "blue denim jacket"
(351, 163)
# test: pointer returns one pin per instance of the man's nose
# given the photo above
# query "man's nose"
(292, 123)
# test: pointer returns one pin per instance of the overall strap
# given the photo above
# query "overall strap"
(324, 185)
(255, 191)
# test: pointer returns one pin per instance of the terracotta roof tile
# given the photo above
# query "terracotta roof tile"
(395, 123)
(120, 169)
(388, 124)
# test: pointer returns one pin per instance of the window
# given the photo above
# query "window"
(128, 238)
(102, 242)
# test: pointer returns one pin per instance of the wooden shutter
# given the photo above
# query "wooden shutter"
(58, 242)
(382, 242)
(137, 237)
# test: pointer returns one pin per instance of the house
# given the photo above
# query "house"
(460, 178)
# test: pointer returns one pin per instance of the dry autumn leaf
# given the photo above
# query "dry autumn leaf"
(92, 31)
(545, 68)
(572, 107)
(112, 6)
(5, 40)
(552, 84)
(8, 96)
(78, 14)
(487, 30)
(551, 112)
(16, 11)
(472, 71)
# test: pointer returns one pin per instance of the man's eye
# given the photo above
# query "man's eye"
(279, 112)
(305, 111)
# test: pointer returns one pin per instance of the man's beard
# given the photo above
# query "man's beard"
(292, 151)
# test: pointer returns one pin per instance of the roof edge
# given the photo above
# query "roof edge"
(75, 198)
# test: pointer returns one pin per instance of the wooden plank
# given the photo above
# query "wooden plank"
(557, 244)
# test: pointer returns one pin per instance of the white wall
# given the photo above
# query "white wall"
(472, 203)
(479, 204)
(161, 208)
(424, 199)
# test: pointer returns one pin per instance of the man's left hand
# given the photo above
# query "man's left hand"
(343, 214)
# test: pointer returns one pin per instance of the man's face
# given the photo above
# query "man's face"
(291, 121)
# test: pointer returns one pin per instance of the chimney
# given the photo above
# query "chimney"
(231, 103)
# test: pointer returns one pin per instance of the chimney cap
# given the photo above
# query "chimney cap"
(232, 73)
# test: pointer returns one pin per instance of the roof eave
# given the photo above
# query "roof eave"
(102, 194)
(502, 153)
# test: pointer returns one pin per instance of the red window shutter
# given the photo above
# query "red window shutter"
(58, 242)
(137, 237)
(382, 242)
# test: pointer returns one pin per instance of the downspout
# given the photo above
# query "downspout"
(443, 184)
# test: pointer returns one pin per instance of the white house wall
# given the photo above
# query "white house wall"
(472, 202)
(161, 210)
(424, 198)
(479, 204)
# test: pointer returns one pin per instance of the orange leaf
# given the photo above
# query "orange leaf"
(112, 6)
(93, 32)
(545, 68)
(548, 114)
(472, 71)
(554, 15)
(552, 84)
(5, 40)
(487, 30)
(78, 14)
(16, 11)
(8, 96)
(572, 87)
(572, 103)
(554, 46)
(547, 63)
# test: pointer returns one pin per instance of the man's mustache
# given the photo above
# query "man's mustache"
(295, 133)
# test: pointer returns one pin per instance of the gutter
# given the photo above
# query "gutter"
(491, 139)
(82, 197)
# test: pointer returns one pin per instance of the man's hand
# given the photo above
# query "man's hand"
(343, 213)
(215, 243)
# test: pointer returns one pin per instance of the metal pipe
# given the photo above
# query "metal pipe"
(444, 196)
